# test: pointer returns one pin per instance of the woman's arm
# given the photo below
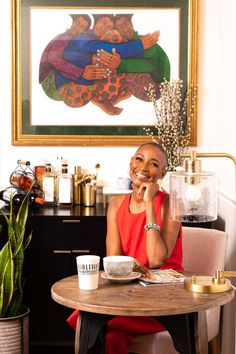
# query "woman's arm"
(159, 244)
(113, 244)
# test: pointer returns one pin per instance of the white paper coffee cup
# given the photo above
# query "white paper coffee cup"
(88, 271)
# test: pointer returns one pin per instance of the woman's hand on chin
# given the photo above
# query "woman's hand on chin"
(148, 190)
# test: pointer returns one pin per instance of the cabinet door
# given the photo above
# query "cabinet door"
(47, 260)
(47, 318)
(89, 237)
(52, 256)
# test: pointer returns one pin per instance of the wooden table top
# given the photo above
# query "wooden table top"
(134, 299)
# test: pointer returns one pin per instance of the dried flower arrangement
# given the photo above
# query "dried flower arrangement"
(173, 119)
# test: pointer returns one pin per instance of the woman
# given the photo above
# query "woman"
(139, 225)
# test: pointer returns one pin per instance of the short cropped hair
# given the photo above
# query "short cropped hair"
(159, 147)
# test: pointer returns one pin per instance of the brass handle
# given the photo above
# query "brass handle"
(61, 251)
(71, 221)
(229, 273)
(225, 273)
(80, 251)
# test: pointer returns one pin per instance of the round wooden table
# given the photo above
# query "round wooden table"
(181, 311)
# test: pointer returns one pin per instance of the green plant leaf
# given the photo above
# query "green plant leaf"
(22, 214)
(12, 258)
(6, 278)
(27, 240)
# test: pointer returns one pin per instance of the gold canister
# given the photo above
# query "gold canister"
(77, 180)
(89, 194)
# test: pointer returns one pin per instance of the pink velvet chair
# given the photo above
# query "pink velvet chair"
(204, 251)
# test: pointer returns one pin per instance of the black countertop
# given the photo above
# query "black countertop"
(73, 211)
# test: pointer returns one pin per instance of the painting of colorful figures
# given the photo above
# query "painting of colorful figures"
(91, 69)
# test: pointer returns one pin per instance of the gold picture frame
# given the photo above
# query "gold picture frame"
(27, 133)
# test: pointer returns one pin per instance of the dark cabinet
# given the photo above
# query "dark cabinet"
(58, 237)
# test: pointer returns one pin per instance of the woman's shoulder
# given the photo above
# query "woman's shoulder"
(116, 202)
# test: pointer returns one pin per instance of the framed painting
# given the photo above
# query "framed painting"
(81, 69)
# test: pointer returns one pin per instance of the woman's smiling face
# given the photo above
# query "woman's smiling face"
(148, 164)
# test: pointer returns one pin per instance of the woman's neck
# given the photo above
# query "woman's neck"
(136, 204)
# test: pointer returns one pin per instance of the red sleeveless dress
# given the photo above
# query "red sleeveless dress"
(122, 329)
(132, 233)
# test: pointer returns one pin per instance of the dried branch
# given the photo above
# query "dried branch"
(173, 119)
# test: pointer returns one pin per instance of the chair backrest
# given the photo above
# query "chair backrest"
(204, 250)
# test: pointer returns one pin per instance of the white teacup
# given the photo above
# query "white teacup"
(118, 266)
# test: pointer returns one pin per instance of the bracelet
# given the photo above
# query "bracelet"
(152, 226)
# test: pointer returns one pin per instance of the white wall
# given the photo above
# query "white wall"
(217, 124)
(216, 128)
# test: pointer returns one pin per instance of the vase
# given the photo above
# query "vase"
(14, 333)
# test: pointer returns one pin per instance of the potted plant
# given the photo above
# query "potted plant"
(14, 317)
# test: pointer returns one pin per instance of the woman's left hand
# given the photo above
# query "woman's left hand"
(149, 190)
(139, 267)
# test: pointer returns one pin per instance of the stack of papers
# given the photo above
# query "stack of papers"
(164, 276)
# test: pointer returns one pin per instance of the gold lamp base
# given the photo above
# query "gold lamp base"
(206, 284)
(209, 284)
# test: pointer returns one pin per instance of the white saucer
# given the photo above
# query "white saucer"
(124, 279)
